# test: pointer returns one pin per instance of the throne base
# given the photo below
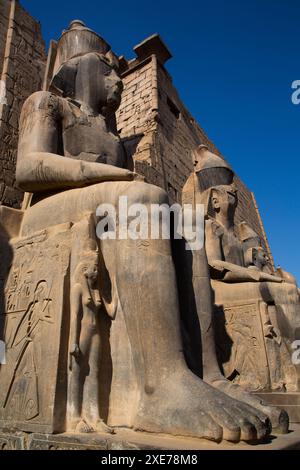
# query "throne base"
(126, 439)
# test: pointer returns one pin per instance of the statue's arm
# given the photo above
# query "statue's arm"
(39, 166)
(235, 273)
(75, 321)
(229, 272)
(212, 243)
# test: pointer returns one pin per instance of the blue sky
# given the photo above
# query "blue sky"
(233, 65)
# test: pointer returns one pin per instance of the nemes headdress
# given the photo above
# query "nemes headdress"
(76, 41)
(210, 171)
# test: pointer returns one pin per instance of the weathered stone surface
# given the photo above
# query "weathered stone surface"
(251, 299)
(133, 387)
(161, 132)
(289, 401)
(22, 59)
(130, 440)
(166, 133)
(12, 442)
(105, 304)
(4, 17)
(66, 442)
(33, 380)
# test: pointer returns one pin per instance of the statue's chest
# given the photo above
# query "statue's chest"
(232, 249)
(86, 138)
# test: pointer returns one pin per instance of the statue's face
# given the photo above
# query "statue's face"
(40, 292)
(100, 81)
(224, 200)
(91, 272)
(90, 80)
(113, 86)
(261, 258)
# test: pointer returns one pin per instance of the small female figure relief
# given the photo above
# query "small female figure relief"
(85, 347)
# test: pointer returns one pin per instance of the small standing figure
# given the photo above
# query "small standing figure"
(85, 346)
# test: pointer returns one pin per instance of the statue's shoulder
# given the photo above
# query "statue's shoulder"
(42, 100)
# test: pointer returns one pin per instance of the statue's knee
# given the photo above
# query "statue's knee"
(145, 193)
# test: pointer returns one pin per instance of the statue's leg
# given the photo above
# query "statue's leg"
(211, 370)
(287, 300)
(90, 347)
(74, 396)
(172, 399)
(287, 319)
(194, 286)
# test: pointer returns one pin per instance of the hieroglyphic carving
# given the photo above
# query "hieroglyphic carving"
(33, 322)
(22, 68)
(283, 373)
(12, 442)
(240, 345)
(250, 347)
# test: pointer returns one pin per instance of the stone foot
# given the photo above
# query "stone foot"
(84, 427)
(100, 426)
(182, 404)
(278, 417)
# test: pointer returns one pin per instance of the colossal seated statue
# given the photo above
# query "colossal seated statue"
(257, 309)
(125, 331)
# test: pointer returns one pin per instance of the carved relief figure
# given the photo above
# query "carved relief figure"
(85, 337)
(24, 354)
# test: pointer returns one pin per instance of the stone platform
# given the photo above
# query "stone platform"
(288, 401)
(125, 439)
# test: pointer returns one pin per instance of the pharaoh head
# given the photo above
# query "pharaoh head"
(90, 266)
(223, 199)
(40, 292)
(81, 66)
(254, 254)
(260, 258)
(256, 257)
(214, 183)
(87, 267)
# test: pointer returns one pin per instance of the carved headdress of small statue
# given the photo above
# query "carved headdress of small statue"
(255, 256)
(211, 173)
(75, 42)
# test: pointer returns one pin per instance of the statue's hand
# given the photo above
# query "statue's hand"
(138, 177)
(98, 302)
(96, 172)
(74, 350)
(73, 355)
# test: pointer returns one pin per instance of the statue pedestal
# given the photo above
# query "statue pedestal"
(126, 439)
(251, 349)
(35, 325)
(35, 313)
(287, 400)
